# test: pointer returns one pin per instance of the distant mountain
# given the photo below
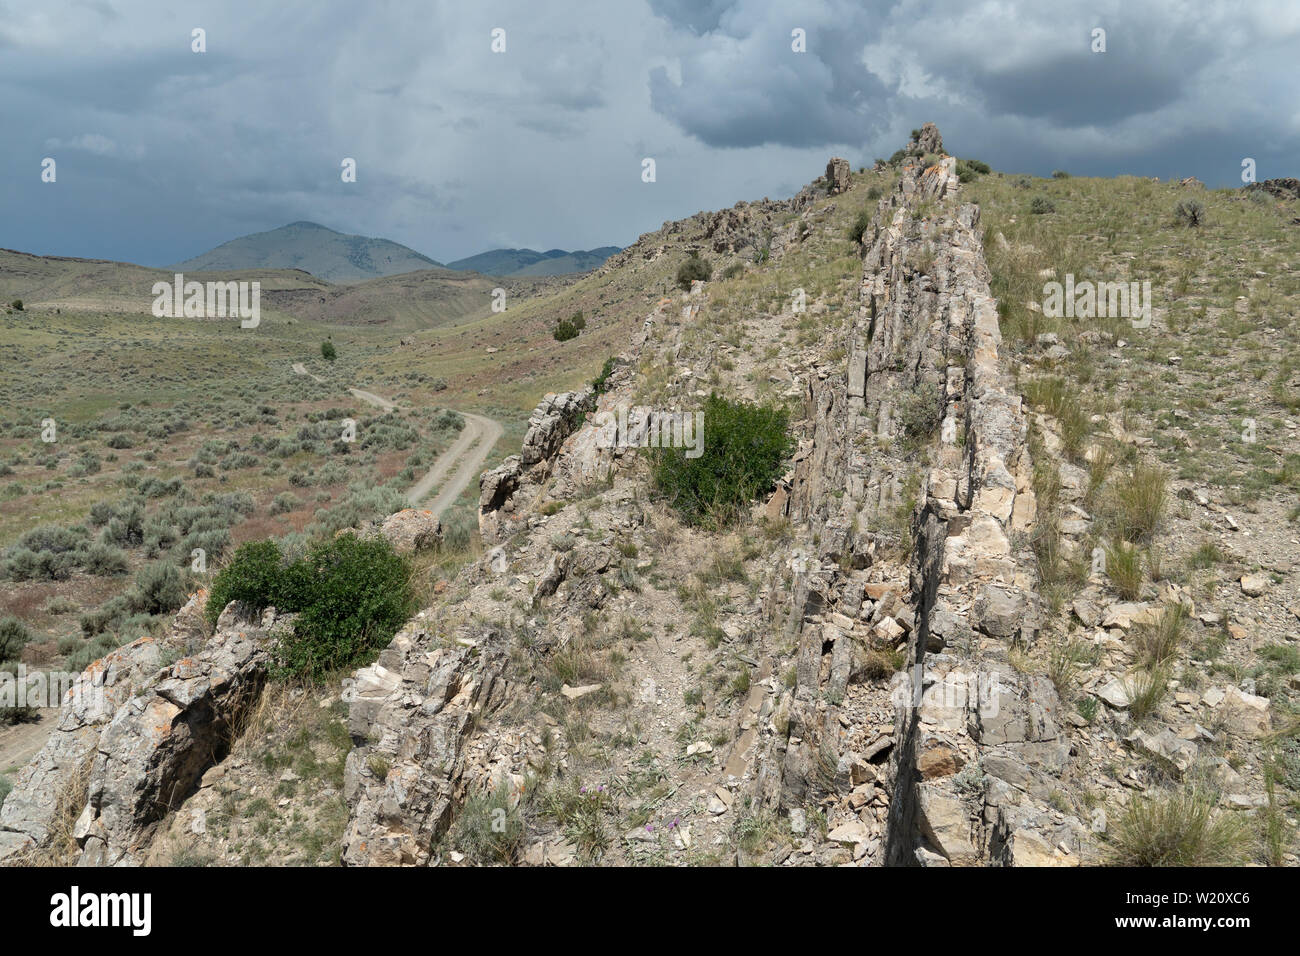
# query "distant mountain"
(313, 248)
(528, 262)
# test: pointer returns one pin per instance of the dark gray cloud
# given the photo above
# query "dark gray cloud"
(741, 82)
(164, 153)
(698, 16)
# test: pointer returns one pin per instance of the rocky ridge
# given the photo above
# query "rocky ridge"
(852, 665)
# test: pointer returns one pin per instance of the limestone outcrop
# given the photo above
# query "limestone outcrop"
(411, 714)
(135, 733)
(554, 419)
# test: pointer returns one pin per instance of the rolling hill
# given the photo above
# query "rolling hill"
(422, 299)
(528, 262)
(313, 248)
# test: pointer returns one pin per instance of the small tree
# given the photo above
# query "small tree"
(252, 576)
(327, 351)
(351, 595)
(18, 305)
(565, 330)
(692, 269)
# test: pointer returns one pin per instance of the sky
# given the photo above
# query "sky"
(162, 152)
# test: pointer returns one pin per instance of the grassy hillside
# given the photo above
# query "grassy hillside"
(98, 285)
(412, 300)
(1224, 341)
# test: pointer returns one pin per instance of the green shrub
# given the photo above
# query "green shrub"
(252, 576)
(1040, 205)
(1060, 174)
(101, 512)
(875, 192)
(105, 616)
(283, 503)
(733, 270)
(23, 564)
(5, 786)
(564, 330)
(213, 542)
(14, 636)
(351, 595)
(126, 528)
(46, 553)
(860, 225)
(1181, 828)
(105, 560)
(743, 450)
(599, 384)
(693, 268)
(578, 320)
(328, 352)
(87, 463)
(968, 170)
(363, 503)
(17, 305)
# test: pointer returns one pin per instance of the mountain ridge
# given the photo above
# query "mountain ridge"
(344, 257)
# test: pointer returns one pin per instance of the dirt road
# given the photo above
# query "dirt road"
(19, 743)
(456, 467)
(466, 456)
(300, 369)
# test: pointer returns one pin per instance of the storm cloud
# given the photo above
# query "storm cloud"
(163, 153)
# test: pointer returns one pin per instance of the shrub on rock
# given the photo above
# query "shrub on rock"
(351, 595)
(743, 449)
